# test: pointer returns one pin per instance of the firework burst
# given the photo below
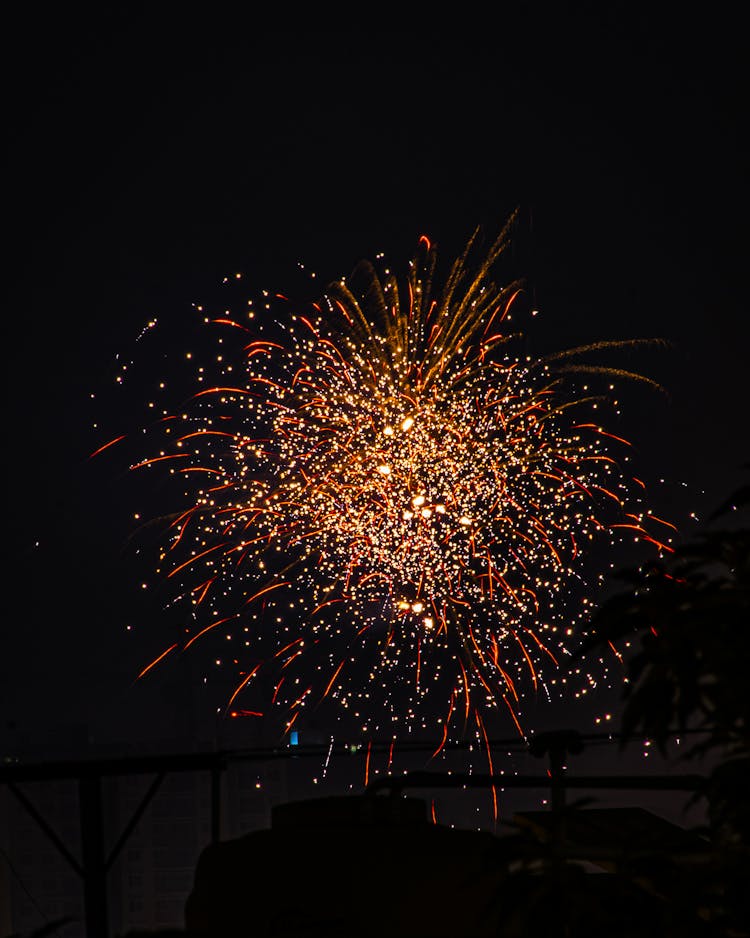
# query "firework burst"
(388, 509)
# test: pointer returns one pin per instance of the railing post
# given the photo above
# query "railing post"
(556, 744)
(92, 848)
(215, 803)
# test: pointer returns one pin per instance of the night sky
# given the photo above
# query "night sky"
(147, 160)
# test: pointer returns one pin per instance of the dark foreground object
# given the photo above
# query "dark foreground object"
(373, 867)
(354, 866)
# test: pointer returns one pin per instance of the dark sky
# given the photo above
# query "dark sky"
(147, 159)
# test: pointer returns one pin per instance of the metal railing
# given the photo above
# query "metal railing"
(96, 861)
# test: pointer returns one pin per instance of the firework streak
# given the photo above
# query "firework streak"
(388, 510)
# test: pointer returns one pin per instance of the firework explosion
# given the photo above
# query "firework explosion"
(386, 509)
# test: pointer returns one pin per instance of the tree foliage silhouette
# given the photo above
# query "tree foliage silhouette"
(691, 671)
